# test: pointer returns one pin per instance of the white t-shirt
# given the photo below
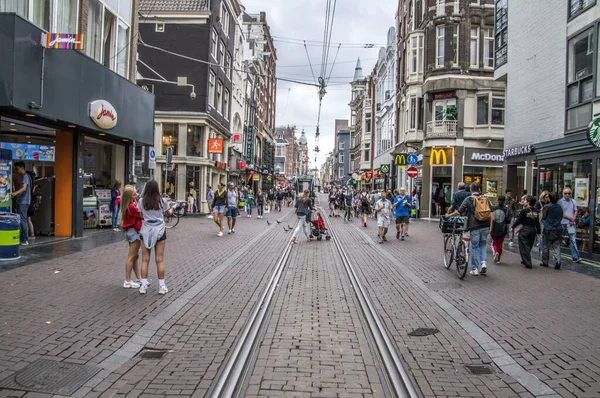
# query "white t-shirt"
(153, 215)
(385, 206)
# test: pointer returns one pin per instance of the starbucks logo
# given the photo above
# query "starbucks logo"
(594, 132)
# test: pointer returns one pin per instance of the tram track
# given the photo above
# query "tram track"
(236, 371)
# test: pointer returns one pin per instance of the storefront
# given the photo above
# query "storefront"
(521, 170)
(485, 167)
(74, 124)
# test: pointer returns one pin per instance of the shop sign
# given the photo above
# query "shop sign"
(249, 143)
(215, 145)
(487, 157)
(221, 165)
(438, 156)
(103, 114)
(400, 160)
(384, 169)
(152, 159)
(594, 132)
(256, 177)
(518, 151)
(446, 95)
(241, 165)
(237, 138)
(63, 41)
(41, 153)
(368, 175)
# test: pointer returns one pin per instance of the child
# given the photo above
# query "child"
(190, 206)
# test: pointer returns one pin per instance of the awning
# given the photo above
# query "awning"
(351, 182)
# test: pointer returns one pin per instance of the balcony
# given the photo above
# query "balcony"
(441, 129)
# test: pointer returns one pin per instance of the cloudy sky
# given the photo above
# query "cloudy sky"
(355, 22)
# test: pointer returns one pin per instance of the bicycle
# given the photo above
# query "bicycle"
(456, 245)
(171, 217)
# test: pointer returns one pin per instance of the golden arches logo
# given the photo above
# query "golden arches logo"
(439, 155)
(400, 160)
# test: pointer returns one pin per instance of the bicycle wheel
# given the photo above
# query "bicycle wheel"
(448, 251)
(172, 220)
(181, 211)
(461, 260)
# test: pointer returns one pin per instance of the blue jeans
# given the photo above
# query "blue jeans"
(22, 209)
(249, 209)
(260, 208)
(478, 247)
(115, 217)
(572, 244)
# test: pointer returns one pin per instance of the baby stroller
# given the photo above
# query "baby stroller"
(317, 228)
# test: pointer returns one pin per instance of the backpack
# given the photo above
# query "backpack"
(364, 199)
(482, 208)
(499, 225)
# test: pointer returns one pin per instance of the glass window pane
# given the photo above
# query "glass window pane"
(41, 14)
(94, 30)
(170, 137)
(195, 141)
(581, 50)
(498, 116)
(125, 9)
(497, 102)
(109, 40)
(66, 16)
(587, 90)
(17, 6)
(482, 110)
(123, 50)
(579, 117)
(573, 95)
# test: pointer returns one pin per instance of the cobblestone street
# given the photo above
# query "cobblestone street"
(532, 332)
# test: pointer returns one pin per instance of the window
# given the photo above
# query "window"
(578, 6)
(439, 49)
(225, 19)
(211, 89)
(413, 52)
(50, 15)
(580, 80)
(122, 50)
(368, 123)
(420, 54)
(501, 13)
(228, 65)
(488, 48)
(341, 173)
(280, 151)
(93, 47)
(170, 136)
(108, 39)
(367, 153)
(455, 45)
(441, 7)
(482, 109)
(421, 110)
(220, 97)
(214, 37)
(226, 104)
(195, 141)
(341, 158)
(66, 14)
(498, 111)
(474, 47)
(413, 113)
(221, 54)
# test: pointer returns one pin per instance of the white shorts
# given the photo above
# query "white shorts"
(383, 221)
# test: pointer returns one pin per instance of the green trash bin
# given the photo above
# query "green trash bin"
(10, 236)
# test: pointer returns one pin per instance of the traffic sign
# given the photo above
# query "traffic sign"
(412, 172)
(152, 159)
(412, 159)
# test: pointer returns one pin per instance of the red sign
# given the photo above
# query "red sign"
(221, 165)
(368, 175)
(215, 145)
(446, 95)
(412, 172)
(242, 165)
(237, 138)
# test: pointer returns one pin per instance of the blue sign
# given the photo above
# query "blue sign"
(412, 159)
(42, 153)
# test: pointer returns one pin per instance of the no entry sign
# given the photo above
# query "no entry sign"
(412, 172)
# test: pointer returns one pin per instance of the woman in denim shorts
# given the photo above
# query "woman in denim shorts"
(219, 206)
(132, 223)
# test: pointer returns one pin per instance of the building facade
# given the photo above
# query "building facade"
(342, 162)
(360, 127)
(69, 109)
(448, 96)
(549, 151)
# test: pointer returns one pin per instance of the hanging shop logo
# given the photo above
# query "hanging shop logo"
(518, 151)
(215, 145)
(384, 169)
(487, 157)
(400, 159)
(63, 41)
(103, 114)
(594, 132)
(249, 143)
(438, 156)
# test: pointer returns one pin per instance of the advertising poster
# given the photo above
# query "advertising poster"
(492, 188)
(42, 153)
(5, 185)
(581, 191)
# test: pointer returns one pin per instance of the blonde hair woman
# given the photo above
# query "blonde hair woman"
(132, 224)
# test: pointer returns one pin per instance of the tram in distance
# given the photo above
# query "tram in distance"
(302, 182)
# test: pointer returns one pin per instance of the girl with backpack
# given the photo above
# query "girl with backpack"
(499, 227)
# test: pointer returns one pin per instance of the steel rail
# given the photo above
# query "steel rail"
(399, 379)
(232, 379)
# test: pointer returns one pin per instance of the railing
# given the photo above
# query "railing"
(441, 129)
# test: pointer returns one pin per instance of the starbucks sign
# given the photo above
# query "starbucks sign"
(594, 132)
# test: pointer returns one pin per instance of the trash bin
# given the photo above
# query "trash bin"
(10, 238)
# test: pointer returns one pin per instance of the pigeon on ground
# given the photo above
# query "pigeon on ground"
(285, 229)
(289, 226)
(268, 223)
(278, 222)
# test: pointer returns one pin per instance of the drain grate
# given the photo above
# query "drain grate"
(50, 377)
(423, 332)
(480, 369)
(152, 353)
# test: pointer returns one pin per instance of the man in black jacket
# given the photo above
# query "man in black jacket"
(459, 197)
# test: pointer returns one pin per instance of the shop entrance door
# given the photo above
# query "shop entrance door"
(441, 182)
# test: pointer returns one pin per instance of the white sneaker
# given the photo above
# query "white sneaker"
(474, 272)
(511, 243)
(229, 232)
(209, 217)
(496, 258)
(220, 233)
(143, 289)
(232, 230)
(163, 290)
(131, 285)
(483, 270)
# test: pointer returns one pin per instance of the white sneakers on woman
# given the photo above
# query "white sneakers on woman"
(131, 285)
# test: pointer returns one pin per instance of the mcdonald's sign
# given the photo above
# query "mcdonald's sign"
(438, 156)
(400, 160)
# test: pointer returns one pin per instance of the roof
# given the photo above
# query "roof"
(173, 5)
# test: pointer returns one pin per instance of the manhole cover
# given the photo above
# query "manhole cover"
(152, 353)
(480, 369)
(50, 377)
(437, 286)
(423, 332)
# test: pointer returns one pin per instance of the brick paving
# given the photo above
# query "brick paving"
(545, 319)
(315, 344)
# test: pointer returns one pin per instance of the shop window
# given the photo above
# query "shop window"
(596, 212)
(170, 137)
(169, 179)
(211, 89)
(195, 141)
(193, 174)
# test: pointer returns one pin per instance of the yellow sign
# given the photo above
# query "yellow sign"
(438, 156)
(256, 177)
(400, 159)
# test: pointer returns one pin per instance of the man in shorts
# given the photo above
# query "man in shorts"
(383, 209)
(402, 205)
(232, 207)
